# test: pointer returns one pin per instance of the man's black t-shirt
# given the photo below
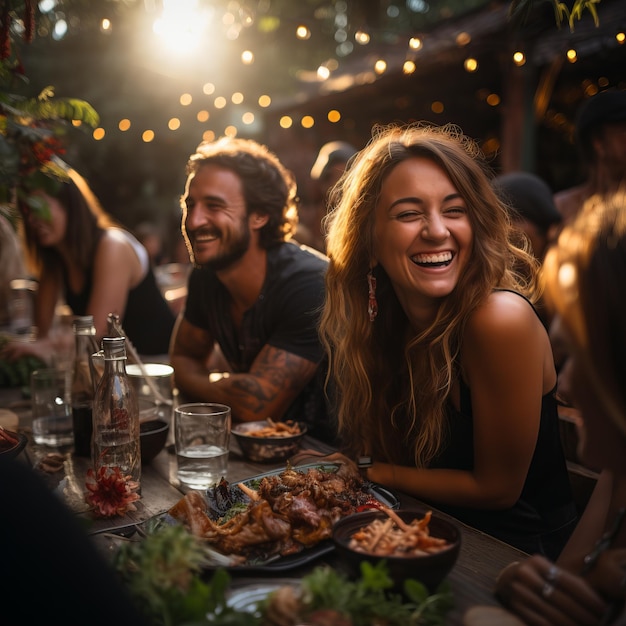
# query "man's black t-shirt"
(285, 316)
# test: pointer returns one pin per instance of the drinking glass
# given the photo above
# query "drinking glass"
(52, 407)
(202, 437)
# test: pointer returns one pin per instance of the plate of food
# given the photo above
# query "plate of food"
(279, 520)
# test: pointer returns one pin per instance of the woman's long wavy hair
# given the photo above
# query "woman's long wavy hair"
(86, 221)
(384, 371)
(584, 284)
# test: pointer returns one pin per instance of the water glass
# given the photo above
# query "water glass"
(52, 407)
(202, 437)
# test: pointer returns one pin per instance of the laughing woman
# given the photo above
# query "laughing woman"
(444, 371)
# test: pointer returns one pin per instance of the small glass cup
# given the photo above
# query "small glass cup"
(202, 438)
(52, 407)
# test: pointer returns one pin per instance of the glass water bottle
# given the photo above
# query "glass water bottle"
(82, 390)
(116, 415)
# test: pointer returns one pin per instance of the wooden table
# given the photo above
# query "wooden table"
(481, 556)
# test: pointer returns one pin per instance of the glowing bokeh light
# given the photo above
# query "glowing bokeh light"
(185, 99)
(208, 135)
(147, 136)
(237, 98)
(415, 43)
(98, 133)
(303, 32)
(437, 107)
(230, 131)
(408, 67)
(470, 64)
(219, 102)
(124, 125)
(333, 116)
(264, 101)
(174, 124)
(208, 89)
(247, 57)
(519, 58)
(203, 116)
(307, 121)
(285, 121)
(380, 66)
(248, 117)
(181, 26)
(572, 57)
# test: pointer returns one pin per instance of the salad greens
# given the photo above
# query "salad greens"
(163, 573)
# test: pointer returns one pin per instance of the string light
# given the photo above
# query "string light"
(324, 71)
(470, 64)
(303, 32)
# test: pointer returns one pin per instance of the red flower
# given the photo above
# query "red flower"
(110, 492)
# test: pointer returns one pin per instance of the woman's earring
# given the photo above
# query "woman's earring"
(372, 305)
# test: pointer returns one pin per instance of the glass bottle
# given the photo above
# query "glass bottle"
(82, 389)
(116, 415)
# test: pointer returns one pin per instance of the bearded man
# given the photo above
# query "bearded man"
(248, 334)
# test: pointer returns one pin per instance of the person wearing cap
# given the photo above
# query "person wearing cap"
(532, 206)
(601, 140)
(330, 163)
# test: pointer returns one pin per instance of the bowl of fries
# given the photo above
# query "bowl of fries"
(267, 441)
(415, 544)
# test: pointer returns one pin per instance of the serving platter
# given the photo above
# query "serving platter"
(277, 563)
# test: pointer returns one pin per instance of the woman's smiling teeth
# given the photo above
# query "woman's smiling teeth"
(433, 260)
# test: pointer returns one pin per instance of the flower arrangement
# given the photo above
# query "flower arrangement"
(110, 492)
(31, 128)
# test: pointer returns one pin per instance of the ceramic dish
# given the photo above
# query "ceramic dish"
(285, 563)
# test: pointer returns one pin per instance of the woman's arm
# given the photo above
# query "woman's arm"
(507, 363)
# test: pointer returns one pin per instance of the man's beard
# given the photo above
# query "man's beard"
(235, 250)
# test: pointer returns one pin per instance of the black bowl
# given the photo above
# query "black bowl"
(152, 437)
(15, 449)
(266, 449)
(430, 569)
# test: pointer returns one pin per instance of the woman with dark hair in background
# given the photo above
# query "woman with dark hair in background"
(81, 256)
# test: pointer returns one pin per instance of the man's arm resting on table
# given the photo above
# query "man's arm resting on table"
(267, 390)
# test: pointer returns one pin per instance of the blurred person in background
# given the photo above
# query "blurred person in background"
(532, 207)
(81, 256)
(584, 275)
(601, 142)
(331, 162)
(532, 210)
(253, 297)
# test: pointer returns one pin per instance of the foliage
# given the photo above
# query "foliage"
(521, 9)
(369, 599)
(163, 573)
(31, 128)
(17, 373)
